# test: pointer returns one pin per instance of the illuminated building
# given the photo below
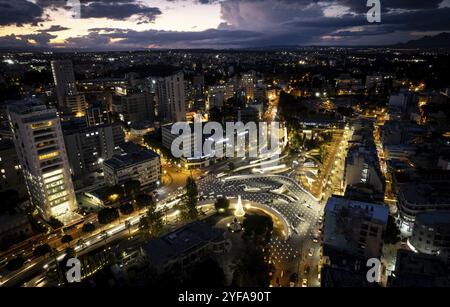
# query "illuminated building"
(76, 104)
(133, 107)
(144, 165)
(64, 79)
(40, 146)
(88, 147)
(171, 98)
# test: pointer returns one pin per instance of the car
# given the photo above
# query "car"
(304, 283)
(311, 252)
(315, 240)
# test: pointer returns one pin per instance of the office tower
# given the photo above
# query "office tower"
(64, 79)
(248, 85)
(88, 147)
(133, 107)
(40, 146)
(171, 98)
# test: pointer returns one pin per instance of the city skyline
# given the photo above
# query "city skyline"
(145, 24)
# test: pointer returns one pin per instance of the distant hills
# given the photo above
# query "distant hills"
(441, 40)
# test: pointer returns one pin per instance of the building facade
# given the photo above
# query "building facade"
(354, 227)
(431, 233)
(64, 79)
(133, 107)
(144, 166)
(88, 147)
(42, 153)
(171, 98)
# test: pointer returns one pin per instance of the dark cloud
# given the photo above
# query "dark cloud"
(19, 12)
(53, 28)
(30, 40)
(119, 10)
(123, 39)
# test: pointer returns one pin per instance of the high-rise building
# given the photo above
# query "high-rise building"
(64, 79)
(88, 147)
(219, 94)
(40, 146)
(76, 104)
(354, 227)
(133, 107)
(171, 98)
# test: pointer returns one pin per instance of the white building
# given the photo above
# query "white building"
(40, 146)
(144, 166)
(171, 98)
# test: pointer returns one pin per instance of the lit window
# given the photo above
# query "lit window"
(48, 155)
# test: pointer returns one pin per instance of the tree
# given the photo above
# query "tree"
(151, 223)
(222, 204)
(231, 166)
(252, 267)
(107, 215)
(258, 229)
(88, 227)
(42, 250)
(66, 239)
(132, 188)
(144, 200)
(392, 233)
(126, 209)
(191, 199)
(55, 223)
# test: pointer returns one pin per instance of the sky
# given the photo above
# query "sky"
(219, 24)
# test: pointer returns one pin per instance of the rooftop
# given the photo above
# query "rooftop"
(181, 241)
(375, 211)
(434, 217)
(131, 158)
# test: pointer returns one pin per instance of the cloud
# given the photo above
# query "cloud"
(20, 12)
(246, 23)
(53, 28)
(122, 39)
(119, 10)
(30, 40)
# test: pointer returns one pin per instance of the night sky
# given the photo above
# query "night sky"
(136, 24)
